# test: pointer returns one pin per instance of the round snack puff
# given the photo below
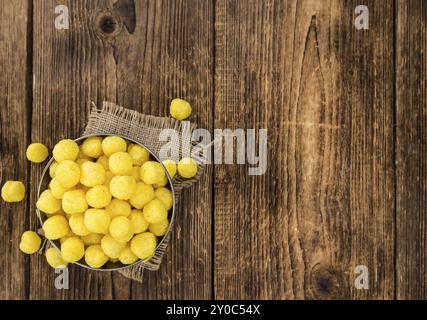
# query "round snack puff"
(122, 187)
(112, 247)
(139, 154)
(159, 229)
(127, 256)
(137, 222)
(92, 238)
(57, 189)
(103, 161)
(55, 227)
(165, 196)
(152, 172)
(155, 212)
(170, 166)
(81, 161)
(68, 173)
(118, 207)
(65, 150)
(163, 183)
(74, 201)
(92, 147)
(120, 229)
(72, 249)
(95, 256)
(113, 144)
(187, 168)
(54, 259)
(143, 194)
(120, 163)
(180, 109)
(92, 174)
(37, 152)
(108, 176)
(98, 196)
(30, 242)
(77, 224)
(13, 191)
(97, 220)
(48, 203)
(144, 245)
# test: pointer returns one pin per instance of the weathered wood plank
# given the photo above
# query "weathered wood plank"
(325, 205)
(411, 146)
(15, 88)
(140, 55)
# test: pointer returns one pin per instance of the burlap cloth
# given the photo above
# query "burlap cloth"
(145, 129)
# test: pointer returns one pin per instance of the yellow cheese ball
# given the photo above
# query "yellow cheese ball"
(69, 235)
(77, 224)
(57, 189)
(103, 161)
(187, 168)
(98, 196)
(127, 256)
(122, 187)
(112, 247)
(48, 203)
(118, 207)
(159, 229)
(152, 172)
(83, 156)
(170, 166)
(163, 183)
(92, 238)
(108, 176)
(52, 169)
(30, 242)
(120, 229)
(54, 259)
(136, 173)
(55, 227)
(165, 196)
(65, 150)
(92, 174)
(68, 173)
(95, 256)
(74, 201)
(120, 163)
(13, 191)
(137, 221)
(92, 147)
(144, 245)
(81, 161)
(180, 109)
(138, 154)
(97, 220)
(113, 144)
(72, 249)
(144, 193)
(155, 211)
(37, 152)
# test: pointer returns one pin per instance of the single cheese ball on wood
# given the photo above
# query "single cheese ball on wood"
(56, 227)
(72, 249)
(97, 220)
(159, 229)
(187, 168)
(143, 194)
(127, 256)
(57, 189)
(30, 242)
(137, 221)
(103, 161)
(155, 211)
(113, 144)
(123, 187)
(54, 259)
(144, 245)
(165, 196)
(48, 203)
(92, 174)
(152, 172)
(170, 166)
(37, 152)
(120, 229)
(65, 150)
(77, 224)
(139, 154)
(180, 109)
(98, 196)
(92, 238)
(118, 207)
(92, 147)
(52, 169)
(13, 191)
(112, 247)
(74, 201)
(68, 173)
(95, 256)
(120, 163)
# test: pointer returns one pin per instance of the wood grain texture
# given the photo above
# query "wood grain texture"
(15, 87)
(411, 150)
(325, 204)
(140, 55)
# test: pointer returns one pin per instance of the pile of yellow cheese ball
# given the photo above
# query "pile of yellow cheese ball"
(106, 200)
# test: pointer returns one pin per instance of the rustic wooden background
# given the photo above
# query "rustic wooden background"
(346, 111)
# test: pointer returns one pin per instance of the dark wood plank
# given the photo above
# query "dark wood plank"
(325, 205)
(15, 86)
(151, 52)
(411, 146)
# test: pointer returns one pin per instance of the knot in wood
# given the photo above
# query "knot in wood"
(325, 282)
(107, 24)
